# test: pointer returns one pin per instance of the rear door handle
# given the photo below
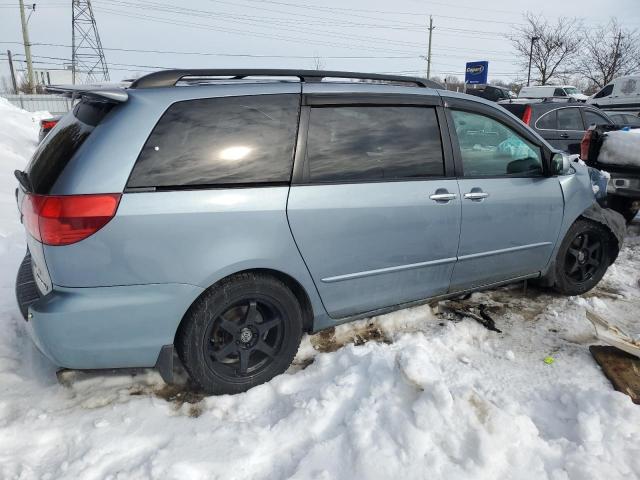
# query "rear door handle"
(477, 196)
(442, 195)
(564, 135)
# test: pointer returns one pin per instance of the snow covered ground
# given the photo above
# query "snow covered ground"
(419, 393)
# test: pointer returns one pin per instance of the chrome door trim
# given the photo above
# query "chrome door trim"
(502, 250)
(382, 271)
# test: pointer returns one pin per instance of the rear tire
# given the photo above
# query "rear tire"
(240, 333)
(583, 258)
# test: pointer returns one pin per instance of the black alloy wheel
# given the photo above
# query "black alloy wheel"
(240, 333)
(244, 339)
(583, 257)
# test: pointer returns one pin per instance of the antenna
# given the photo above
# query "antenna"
(88, 64)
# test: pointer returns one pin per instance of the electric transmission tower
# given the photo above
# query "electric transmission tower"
(87, 58)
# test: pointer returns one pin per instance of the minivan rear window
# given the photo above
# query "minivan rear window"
(58, 148)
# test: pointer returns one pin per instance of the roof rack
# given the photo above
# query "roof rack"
(169, 78)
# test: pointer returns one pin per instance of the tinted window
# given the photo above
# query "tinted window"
(373, 143)
(220, 141)
(559, 92)
(517, 109)
(593, 118)
(59, 147)
(569, 119)
(489, 148)
(548, 121)
(606, 91)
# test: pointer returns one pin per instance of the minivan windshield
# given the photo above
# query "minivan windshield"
(572, 90)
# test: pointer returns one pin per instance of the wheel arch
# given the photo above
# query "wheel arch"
(293, 284)
(603, 218)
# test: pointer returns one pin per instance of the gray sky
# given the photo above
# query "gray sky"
(392, 35)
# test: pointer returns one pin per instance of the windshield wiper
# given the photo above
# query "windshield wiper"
(23, 178)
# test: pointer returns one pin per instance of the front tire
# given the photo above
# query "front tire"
(242, 332)
(583, 258)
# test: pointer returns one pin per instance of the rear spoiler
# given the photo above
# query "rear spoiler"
(103, 94)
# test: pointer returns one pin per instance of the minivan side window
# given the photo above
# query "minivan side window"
(490, 148)
(559, 92)
(213, 141)
(372, 143)
(605, 92)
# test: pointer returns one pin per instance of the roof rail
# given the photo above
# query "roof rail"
(169, 78)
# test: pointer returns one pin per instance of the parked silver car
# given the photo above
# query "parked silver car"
(220, 214)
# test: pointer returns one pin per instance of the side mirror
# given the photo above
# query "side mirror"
(560, 164)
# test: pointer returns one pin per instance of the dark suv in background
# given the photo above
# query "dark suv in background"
(490, 92)
(559, 122)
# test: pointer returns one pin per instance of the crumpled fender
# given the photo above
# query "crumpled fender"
(610, 219)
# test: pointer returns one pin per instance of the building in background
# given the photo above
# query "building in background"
(58, 76)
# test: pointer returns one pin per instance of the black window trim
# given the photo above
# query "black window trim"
(310, 101)
(500, 117)
(214, 186)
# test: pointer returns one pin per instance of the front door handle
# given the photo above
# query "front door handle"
(476, 195)
(564, 135)
(442, 195)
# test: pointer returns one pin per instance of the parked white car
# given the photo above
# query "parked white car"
(622, 93)
(547, 91)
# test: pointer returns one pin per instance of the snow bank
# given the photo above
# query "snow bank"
(621, 148)
(422, 395)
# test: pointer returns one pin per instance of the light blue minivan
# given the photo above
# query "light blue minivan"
(220, 214)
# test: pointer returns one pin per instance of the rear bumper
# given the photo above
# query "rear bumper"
(108, 327)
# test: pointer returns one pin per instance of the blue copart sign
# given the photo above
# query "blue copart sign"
(476, 72)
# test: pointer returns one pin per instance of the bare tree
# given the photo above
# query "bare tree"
(609, 51)
(552, 46)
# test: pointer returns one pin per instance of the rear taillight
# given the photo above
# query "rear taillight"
(526, 117)
(48, 124)
(584, 145)
(66, 219)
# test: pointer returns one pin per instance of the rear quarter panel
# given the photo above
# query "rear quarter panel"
(190, 237)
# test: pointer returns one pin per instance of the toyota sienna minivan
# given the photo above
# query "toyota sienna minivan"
(220, 214)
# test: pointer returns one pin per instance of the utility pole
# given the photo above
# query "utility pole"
(27, 48)
(13, 73)
(533, 40)
(431, 27)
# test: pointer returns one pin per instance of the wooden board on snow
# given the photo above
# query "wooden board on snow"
(621, 368)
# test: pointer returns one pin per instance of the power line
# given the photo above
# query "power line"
(244, 32)
(217, 54)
